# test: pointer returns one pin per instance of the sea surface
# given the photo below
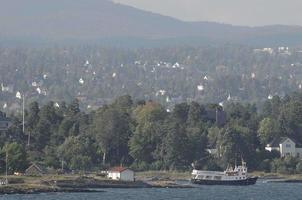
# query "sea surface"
(261, 191)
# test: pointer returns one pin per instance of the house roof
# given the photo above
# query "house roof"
(38, 166)
(118, 169)
(277, 141)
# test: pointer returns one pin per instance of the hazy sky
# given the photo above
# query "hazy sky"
(239, 12)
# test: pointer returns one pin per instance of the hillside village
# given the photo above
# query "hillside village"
(168, 75)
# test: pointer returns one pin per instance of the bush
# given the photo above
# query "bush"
(286, 165)
(158, 165)
(140, 166)
(265, 165)
(299, 167)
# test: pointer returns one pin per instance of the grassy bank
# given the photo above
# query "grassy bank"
(277, 175)
(162, 175)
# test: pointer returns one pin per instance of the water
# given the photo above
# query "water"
(260, 191)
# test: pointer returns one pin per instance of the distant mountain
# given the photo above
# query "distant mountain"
(103, 19)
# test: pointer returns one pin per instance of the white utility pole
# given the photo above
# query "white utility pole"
(23, 114)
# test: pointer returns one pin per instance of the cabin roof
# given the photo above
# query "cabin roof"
(118, 169)
(39, 167)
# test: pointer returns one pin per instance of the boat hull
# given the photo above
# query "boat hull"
(248, 181)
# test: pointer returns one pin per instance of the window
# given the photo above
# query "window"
(200, 176)
(288, 146)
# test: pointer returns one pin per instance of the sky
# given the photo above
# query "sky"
(236, 12)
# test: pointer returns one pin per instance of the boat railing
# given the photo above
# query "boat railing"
(199, 172)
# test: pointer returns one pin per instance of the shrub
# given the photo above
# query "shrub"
(265, 165)
(299, 167)
(284, 165)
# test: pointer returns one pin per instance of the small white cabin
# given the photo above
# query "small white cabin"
(121, 174)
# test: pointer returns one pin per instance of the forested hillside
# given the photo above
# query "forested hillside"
(66, 21)
(143, 135)
(171, 75)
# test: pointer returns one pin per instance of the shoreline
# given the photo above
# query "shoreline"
(92, 183)
(11, 190)
(77, 184)
(278, 178)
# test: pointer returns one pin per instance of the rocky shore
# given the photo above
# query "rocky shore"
(279, 178)
(21, 189)
(95, 183)
(36, 185)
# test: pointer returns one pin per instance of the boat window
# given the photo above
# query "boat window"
(208, 177)
(217, 177)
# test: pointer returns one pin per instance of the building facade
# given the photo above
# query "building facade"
(286, 146)
(121, 174)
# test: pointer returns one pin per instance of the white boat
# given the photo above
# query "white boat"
(231, 176)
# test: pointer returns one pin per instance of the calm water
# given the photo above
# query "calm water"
(263, 191)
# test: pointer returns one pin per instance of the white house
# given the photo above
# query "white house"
(286, 146)
(121, 174)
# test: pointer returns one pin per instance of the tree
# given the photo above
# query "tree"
(195, 131)
(16, 157)
(290, 119)
(176, 147)
(13, 134)
(41, 135)
(124, 103)
(73, 108)
(80, 152)
(32, 117)
(268, 130)
(112, 131)
(50, 157)
(231, 146)
(148, 132)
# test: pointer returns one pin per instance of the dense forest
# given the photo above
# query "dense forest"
(170, 75)
(144, 135)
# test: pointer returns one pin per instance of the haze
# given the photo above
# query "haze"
(237, 12)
